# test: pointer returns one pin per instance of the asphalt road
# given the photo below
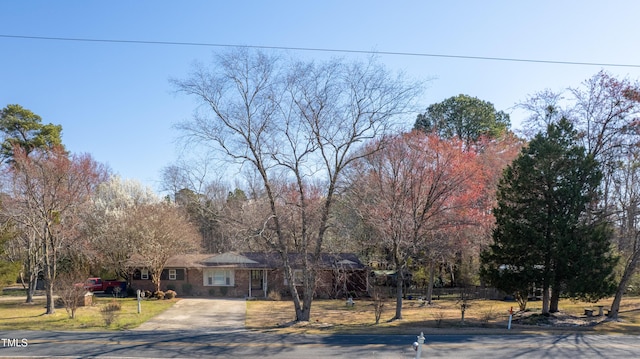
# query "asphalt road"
(249, 344)
(206, 328)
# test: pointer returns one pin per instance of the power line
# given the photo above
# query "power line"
(317, 49)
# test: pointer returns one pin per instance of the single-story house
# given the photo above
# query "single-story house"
(253, 274)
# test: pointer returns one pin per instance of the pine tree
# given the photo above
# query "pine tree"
(547, 234)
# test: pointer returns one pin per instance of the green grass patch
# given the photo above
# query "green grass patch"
(16, 315)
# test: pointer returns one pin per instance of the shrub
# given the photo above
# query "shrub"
(379, 302)
(274, 295)
(187, 288)
(378, 305)
(131, 292)
(159, 294)
(110, 311)
(116, 292)
(463, 308)
(147, 294)
(70, 291)
(170, 294)
(438, 316)
(212, 291)
(487, 315)
(113, 306)
(224, 291)
(58, 303)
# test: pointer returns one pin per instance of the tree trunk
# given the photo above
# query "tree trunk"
(400, 281)
(48, 282)
(305, 314)
(309, 289)
(31, 266)
(615, 305)
(545, 299)
(155, 279)
(453, 276)
(49, 271)
(302, 307)
(555, 299)
(629, 269)
(546, 277)
(30, 285)
(48, 286)
(432, 274)
(298, 306)
(31, 288)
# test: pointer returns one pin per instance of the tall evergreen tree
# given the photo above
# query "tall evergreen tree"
(23, 128)
(546, 232)
(465, 117)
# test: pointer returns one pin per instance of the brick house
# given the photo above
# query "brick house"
(253, 275)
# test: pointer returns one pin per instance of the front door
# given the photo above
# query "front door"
(256, 279)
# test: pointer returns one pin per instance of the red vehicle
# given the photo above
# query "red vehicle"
(107, 286)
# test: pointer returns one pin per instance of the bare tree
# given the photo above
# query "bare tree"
(195, 174)
(70, 283)
(24, 247)
(211, 203)
(49, 192)
(220, 212)
(161, 231)
(544, 108)
(603, 109)
(627, 193)
(106, 223)
(294, 123)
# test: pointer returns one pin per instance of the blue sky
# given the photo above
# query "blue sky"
(115, 102)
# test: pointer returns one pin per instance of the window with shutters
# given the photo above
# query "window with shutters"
(218, 277)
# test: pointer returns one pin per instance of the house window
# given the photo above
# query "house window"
(144, 274)
(172, 274)
(298, 278)
(218, 277)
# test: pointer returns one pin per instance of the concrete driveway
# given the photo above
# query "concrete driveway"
(200, 314)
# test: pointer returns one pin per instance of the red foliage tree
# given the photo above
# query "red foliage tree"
(414, 193)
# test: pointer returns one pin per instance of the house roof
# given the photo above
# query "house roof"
(261, 260)
(187, 260)
(229, 258)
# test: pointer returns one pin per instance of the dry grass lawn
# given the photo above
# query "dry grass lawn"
(333, 316)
